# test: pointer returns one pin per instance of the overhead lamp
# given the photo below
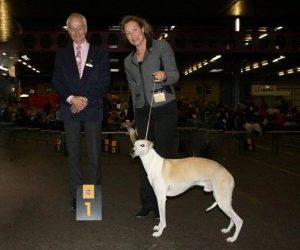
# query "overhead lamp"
(216, 70)
(215, 58)
(25, 57)
(114, 27)
(262, 36)
(237, 25)
(114, 60)
(278, 28)
(114, 70)
(3, 68)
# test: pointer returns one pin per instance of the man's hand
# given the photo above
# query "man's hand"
(79, 103)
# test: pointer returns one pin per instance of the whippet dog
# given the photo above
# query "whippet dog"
(171, 177)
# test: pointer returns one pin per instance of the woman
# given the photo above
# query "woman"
(151, 71)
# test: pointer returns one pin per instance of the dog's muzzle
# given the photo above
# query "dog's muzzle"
(132, 153)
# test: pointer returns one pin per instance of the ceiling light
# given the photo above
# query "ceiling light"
(3, 68)
(278, 28)
(114, 70)
(25, 57)
(237, 25)
(113, 60)
(216, 70)
(262, 29)
(262, 36)
(215, 58)
(114, 27)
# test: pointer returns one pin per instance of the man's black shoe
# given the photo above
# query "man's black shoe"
(142, 213)
(73, 204)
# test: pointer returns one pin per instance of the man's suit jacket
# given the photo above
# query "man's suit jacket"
(93, 84)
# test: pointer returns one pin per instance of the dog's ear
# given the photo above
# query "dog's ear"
(131, 130)
(132, 134)
(150, 144)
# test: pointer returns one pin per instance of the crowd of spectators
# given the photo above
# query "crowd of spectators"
(191, 113)
(282, 115)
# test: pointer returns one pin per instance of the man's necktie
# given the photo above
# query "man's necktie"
(78, 59)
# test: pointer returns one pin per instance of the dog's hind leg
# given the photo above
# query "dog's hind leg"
(227, 230)
(225, 206)
(223, 196)
(161, 202)
(234, 219)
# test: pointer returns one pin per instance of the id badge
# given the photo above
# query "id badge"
(159, 97)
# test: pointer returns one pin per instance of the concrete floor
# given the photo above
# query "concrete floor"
(35, 211)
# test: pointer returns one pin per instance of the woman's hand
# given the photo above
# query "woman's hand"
(159, 76)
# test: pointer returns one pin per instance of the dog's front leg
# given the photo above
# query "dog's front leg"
(161, 202)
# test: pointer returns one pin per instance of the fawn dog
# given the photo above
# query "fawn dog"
(171, 177)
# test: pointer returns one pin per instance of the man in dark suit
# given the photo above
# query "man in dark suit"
(81, 77)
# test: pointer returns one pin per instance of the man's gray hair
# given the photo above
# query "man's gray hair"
(77, 15)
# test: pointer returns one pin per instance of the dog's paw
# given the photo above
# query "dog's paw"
(157, 234)
(231, 239)
(156, 228)
(225, 230)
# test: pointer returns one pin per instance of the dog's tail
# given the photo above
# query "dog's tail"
(212, 206)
